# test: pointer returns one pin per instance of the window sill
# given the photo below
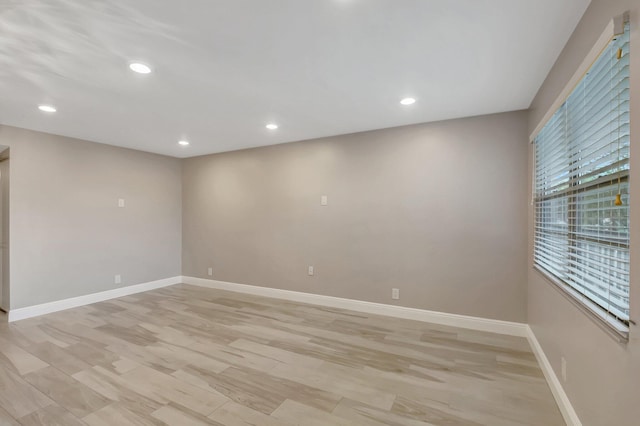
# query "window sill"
(617, 330)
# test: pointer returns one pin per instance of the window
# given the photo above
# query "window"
(581, 169)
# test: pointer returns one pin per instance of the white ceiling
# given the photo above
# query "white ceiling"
(222, 69)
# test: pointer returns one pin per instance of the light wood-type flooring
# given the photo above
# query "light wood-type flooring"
(186, 355)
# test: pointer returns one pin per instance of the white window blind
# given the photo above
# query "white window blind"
(581, 165)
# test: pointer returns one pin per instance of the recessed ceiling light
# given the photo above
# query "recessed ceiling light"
(140, 68)
(271, 126)
(183, 143)
(408, 101)
(47, 108)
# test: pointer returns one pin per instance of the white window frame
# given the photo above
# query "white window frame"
(615, 27)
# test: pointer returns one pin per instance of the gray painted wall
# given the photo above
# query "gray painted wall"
(68, 237)
(437, 210)
(603, 375)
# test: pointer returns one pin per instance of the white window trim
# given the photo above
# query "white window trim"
(599, 315)
(613, 29)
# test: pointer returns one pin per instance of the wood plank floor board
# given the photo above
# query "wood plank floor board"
(323, 377)
(298, 413)
(66, 391)
(165, 389)
(362, 414)
(51, 415)
(19, 398)
(282, 356)
(172, 414)
(18, 360)
(110, 384)
(7, 419)
(58, 357)
(234, 414)
(120, 414)
(186, 355)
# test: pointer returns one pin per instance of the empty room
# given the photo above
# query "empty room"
(320, 212)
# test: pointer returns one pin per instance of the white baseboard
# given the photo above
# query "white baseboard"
(569, 414)
(463, 321)
(74, 302)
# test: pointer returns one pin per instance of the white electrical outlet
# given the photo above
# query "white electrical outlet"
(324, 200)
(395, 293)
(310, 270)
(564, 369)
(120, 202)
(117, 279)
(210, 271)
